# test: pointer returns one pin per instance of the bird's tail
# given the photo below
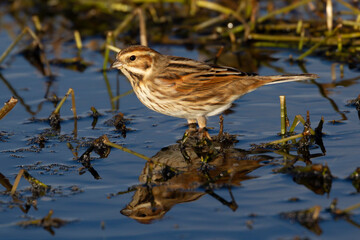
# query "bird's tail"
(289, 78)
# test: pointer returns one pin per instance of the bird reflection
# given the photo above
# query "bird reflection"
(184, 172)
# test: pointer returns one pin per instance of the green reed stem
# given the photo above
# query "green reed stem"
(13, 44)
(113, 48)
(34, 36)
(294, 124)
(354, 24)
(33, 181)
(236, 29)
(351, 35)
(114, 145)
(283, 114)
(286, 38)
(125, 23)
(109, 36)
(73, 108)
(115, 6)
(192, 7)
(8, 106)
(214, 6)
(58, 107)
(317, 45)
(301, 42)
(272, 44)
(78, 40)
(108, 87)
(349, 6)
(208, 23)
(302, 120)
(17, 181)
(122, 95)
(282, 10)
(351, 208)
(288, 156)
(299, 26)
(142, 25)
(37, 23)
(284, 140)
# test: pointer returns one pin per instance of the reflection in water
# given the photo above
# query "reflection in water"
(48, 222)
(325, 90)
(315, 177)
(24, 205)
(309, 218)
(21, 100)
(185, 172)
(355, 103)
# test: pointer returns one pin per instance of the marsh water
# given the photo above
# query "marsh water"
(253, 201)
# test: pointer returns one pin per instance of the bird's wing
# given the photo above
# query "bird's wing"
(210, 78)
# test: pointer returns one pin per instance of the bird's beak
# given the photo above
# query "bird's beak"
(116, 64)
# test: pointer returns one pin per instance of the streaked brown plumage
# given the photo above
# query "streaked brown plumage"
(185, 88)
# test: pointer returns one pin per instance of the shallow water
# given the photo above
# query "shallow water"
(261, 194)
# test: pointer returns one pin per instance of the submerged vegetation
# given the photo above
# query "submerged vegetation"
(192, 167)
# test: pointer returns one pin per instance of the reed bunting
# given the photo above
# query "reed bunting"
(185, 88)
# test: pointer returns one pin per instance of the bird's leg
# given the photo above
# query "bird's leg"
(192, 125)
(202, 127)
(190, 131)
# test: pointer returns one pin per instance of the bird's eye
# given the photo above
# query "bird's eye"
(132, 58)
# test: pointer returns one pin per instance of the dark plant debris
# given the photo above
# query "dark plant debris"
(308, 218)
(54, 121)
(4, 136)
(319, 135)
(48, 223)
(48, 169)
(119, 122)
(355, 179)
(343, 213)
(21, 197)
(76, 63)
(355, 103)
(35, 56)
(315, 177)
(99, 147)
(95, 114)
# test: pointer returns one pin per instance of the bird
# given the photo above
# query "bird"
(185, 88)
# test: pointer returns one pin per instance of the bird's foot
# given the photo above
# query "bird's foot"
(192, 129)
(204, 134)
(190, 132)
